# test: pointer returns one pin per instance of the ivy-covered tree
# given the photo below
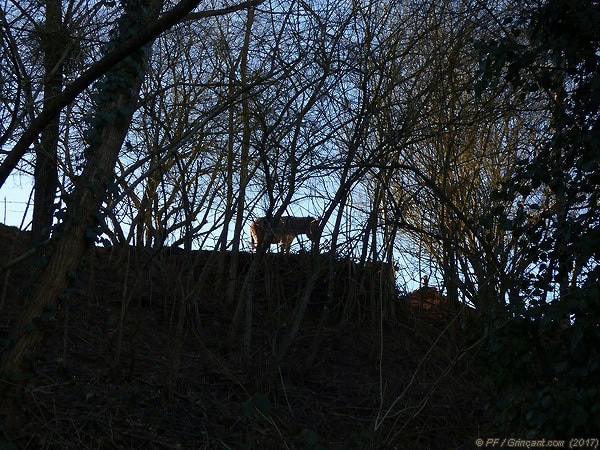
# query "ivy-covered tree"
(549, 346)
(114, 105)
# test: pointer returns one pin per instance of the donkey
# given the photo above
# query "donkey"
(282, 232)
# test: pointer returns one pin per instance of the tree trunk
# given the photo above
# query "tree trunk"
(45, 171)
(117, 95)
(244, 162)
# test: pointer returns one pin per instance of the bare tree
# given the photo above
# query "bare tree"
(460, 147)
(115, 103)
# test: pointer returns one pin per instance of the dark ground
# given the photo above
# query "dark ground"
(109, 376)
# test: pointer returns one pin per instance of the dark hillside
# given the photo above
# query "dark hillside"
(142, 355)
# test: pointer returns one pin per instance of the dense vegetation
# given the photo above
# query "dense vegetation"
(457, 140)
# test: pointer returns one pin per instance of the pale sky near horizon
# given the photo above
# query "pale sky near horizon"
(16, 202)
(14, 198)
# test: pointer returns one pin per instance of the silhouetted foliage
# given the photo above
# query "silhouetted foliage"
(552, 50)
